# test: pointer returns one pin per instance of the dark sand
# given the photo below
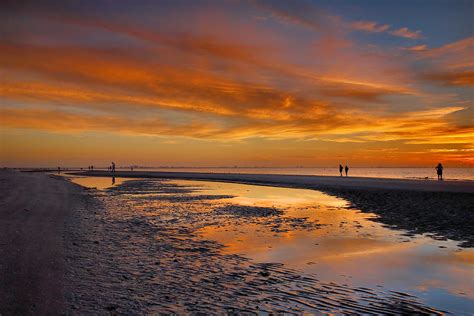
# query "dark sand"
(33, 209)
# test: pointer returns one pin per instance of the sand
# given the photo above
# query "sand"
(443, 209)
(33, 208)
(301, 181)
(66, 249)
(144, 254)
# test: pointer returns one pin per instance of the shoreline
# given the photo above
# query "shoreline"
(441, 209)
(256, 171)
(70, 251)
(298, 181)
(152, 254)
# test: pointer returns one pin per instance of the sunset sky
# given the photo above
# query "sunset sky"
(247, 83)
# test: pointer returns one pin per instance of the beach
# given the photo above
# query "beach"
(34, 208)
(442, 208)
(137, 246)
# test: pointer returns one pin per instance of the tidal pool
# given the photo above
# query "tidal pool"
(347, 247)
(100, 183)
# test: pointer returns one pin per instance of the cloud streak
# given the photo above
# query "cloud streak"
(371, 27)
(406, 33)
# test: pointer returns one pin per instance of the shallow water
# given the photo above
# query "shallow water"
(395, 173)
(100, 183)
(337, 244)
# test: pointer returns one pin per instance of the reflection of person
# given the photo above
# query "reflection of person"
(340, 169)
(439, 171)
(346, 169)
(113, 180)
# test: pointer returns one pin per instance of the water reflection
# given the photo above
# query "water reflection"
(349, 248)
(100, 183)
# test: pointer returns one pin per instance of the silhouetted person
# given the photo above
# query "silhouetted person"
(346, 169)
(92, 168)
(59, 170)
(131, 168)
(439, 171)
(113, 167)
(340, 169)
(113, 180)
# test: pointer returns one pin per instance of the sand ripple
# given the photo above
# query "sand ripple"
(129, 253)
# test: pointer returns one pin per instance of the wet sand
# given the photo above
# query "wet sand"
(135, 248)
(153, 260)
(444, 209)
(300, 181)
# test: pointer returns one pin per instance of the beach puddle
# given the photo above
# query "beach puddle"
(347, 247)
(307, 251)
(99, 183)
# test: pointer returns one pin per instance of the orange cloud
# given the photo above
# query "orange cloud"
(369, 26)
(418, 48)
(406, 33)
(459, 47)
(464, 78)
(451, 64)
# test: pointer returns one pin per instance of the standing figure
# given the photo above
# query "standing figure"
(92, 168)
(439, 171)
(113, 166)
(59, 170)
(346, 169)
(340, 169)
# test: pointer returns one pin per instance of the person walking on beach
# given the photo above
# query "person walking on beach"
(113, 166)
(346, 169)
(439, 171)
(340, 169)
(59, 170)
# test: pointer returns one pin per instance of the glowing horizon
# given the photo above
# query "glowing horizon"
(246, 83)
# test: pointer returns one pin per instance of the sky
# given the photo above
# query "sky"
(237, 83)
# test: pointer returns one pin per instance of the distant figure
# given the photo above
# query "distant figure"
(113, 167)
(439, 171)
(346, 169)
(340, 169)
(131, 168)
(59, 170)
(92, 168)
(113, 180)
